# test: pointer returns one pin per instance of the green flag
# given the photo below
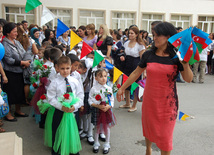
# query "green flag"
(97, 59)
(133, 87)
(31, 4)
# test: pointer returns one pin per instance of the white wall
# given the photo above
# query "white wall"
(168, 7)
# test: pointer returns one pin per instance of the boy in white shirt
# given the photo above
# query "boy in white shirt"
(57, 88)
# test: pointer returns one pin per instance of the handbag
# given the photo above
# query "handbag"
(4, 109)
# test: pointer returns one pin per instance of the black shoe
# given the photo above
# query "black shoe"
(10, 120)
(95, 150)
(102, 139)
(90, 142)
(19, 115)
(106, 151)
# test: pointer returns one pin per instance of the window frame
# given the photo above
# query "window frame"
(151, 20)
(23, 14)
(58, 17)
(208, 22)
(123, 12)
(182, 21)
(91, 10)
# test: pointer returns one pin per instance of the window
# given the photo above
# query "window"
(63, 14)
(206, 23)
(181, 21)
(122, 20)
(88, 17)
(147, 19)
(17, 15)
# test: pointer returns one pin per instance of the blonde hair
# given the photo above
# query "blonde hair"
(105, 31)
(92, 28)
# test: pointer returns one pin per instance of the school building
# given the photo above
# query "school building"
(116, 13)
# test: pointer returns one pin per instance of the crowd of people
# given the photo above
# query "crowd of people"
(31, 51)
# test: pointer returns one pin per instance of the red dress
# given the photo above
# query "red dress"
(160, 101)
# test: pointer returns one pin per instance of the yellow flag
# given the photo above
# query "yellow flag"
(116, 74)
(184, 117)
(75, 39)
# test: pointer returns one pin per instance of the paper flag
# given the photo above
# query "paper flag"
(140, 93)
(61, 28)
(75, 39)
(31, 4)
(183, 116)
(97, 59)
(108, 65)
(47, 16)
(86, 49)
(125, 77)
(133, 87)
(116, 74)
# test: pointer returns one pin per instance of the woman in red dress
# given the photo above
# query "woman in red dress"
(160, 101)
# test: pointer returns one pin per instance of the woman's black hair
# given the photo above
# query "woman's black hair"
(8, 27)
(117, 34)
(166, 29)
(47, 33)
(3, 21)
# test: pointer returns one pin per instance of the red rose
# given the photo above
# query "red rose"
(43, 97)
(66, 96)
(34, 72)
(35, 85)
(114, 42)
(118, 86)
(45, 66)
(98, 97)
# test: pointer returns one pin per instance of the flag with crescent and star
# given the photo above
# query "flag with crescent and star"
(190, 43)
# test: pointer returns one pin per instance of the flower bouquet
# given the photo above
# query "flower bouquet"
(43, 72)
(67, 140)
(44, 106)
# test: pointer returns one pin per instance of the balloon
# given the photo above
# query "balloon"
(2, 51)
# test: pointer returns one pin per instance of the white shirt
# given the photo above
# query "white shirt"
(203, 55)
(57, 88)
(134, 51)
(100, 89)
(77, 76)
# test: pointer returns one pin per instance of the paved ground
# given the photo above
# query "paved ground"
(192, 137)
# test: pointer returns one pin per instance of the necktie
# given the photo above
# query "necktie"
(68, 86)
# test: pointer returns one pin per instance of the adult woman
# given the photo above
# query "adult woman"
(82, 31)
(104, 41)
(146, 38)
(35, 34)
(134, 49)
(31, 49)
(49, 36)
(64, 39)
(117, 44)
(160, 101)
(91, 38)
(13, 66)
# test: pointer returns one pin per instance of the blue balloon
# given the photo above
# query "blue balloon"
(2, 51)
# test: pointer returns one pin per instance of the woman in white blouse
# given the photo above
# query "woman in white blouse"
(134, 49)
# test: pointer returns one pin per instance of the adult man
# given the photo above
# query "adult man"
(25, 26)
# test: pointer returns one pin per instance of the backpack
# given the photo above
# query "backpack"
(4, 109)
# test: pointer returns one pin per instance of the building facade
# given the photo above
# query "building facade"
(117, 14)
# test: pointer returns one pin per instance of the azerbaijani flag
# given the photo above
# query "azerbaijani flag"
(201, 39)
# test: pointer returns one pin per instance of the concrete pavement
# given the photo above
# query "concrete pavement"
(192, 137)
